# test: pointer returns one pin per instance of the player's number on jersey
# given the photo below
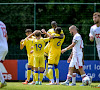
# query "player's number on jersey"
(38, 46)
(58, 44)
(4, 31)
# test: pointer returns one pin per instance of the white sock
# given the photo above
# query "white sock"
(57, 80)
(74, 78)
(69, 78)
(1, 77)
(52, 80)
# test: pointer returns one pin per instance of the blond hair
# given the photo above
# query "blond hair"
(96, 13)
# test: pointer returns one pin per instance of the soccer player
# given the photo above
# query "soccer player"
(75, 71)
(95, 31)
(76, 61)
(54, 55)
(3, 49)
(25, 42)
(39, 44)
(47, 48)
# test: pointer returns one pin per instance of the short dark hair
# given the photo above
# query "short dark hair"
(37, 33)
(58, 29)
(54, 23)
(28, 30)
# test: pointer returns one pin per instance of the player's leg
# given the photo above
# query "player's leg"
(70, 72)
(2, 57)
(56, 67)
(46, 67)
(42, 68)
(3, 83)
(28, 71)
(46, 50)
(50, 67)
(74, 77)
(36, 65)
(50, 73)
(32, 68)
(57, 74)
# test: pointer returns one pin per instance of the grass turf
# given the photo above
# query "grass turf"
(20, 86)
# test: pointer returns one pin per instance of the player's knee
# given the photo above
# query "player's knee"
(56, 66)
(50, 66)
(42, 71)
(29, 68)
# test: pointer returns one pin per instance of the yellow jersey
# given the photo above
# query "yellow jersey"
(51, 31)
(39, 45)
(28, 45)
(56, 43)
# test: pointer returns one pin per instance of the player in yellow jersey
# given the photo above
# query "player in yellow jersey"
(47, 48)
(39, 44)
(25, 42)
(54, 55)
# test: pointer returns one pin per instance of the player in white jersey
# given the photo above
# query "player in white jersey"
(3, 49)
(95, 32)
(76, 61)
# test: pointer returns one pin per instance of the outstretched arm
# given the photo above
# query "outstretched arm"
(68, 48)
(60, 37)
(44, 32)
(21, 44)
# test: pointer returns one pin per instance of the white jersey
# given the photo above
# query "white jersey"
(77, 49)
(95, 31)
(3, 35)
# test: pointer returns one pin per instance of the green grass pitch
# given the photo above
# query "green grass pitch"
(20, 86)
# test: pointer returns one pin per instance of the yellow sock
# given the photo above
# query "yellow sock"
(28, 74)
(46, 66)
(41, 77)
(47, 75)
(57, 73)
(36, 75)
(50, 74)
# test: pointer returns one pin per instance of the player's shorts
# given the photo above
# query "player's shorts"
(98, 50)
(39, 61)
(76, 61)
(30, 59)
(54, 57)
(3, 55)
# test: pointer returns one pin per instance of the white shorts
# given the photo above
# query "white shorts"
(3, 55)
(76, 61)
(98, 50)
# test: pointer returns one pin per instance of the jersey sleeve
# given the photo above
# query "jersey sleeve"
(75, 39)
(91, 32)
(46, 39)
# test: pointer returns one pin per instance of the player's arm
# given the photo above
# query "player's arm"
(60, 37)
(70, 57)
(21, 44)
(91, 35)
(68, 48)
(91, 38)
(44, 32)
